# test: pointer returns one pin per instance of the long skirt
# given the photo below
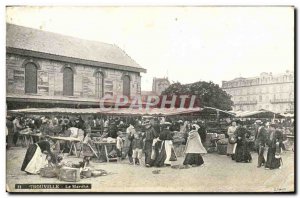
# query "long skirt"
(148, 152)
(193, 159)
(272, 162)
(34, 160)
(242, 153)
(230, 148)
(164, 155)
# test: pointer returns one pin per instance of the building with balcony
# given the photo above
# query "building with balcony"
(267, 91)
(45, 69)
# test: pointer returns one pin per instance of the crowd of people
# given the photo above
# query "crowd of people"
(153, 138)
(267, 139)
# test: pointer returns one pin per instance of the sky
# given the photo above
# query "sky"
(185, 44)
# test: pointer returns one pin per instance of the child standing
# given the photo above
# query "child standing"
(119, 146)
(137, 148)
(87, 150)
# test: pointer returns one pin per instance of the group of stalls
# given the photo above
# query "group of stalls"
(215, 120)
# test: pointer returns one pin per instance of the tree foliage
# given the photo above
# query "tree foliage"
(208, 94)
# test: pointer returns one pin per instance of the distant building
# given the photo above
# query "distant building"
(45, 69)
(159, 85)
(267, 91)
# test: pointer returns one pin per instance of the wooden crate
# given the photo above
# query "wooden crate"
(69, 174)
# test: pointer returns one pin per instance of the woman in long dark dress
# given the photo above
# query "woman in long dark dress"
(166, 148)
(242, 152)
(35, 159)
(149, 136)
(275, 148)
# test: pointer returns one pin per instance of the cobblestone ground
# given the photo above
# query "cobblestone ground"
(219, 174)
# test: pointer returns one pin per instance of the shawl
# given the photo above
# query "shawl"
(194, 144)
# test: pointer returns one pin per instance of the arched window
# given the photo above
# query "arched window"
(68, 82)
(126, 85)
(99, 85)
(30, 78)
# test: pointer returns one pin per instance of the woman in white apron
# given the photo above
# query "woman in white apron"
(35, 159)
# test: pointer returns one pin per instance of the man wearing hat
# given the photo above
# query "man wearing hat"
(150, 134)
(261, 142)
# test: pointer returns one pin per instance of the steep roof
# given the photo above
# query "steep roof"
(35, 40)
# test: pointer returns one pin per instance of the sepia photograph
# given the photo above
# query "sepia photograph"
(150, 99)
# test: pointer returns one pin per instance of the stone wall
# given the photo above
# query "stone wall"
(50, 78)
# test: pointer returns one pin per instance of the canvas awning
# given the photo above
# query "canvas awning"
(287, 115)
(124, 111)
(262, 113)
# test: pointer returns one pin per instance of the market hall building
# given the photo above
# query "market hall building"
(45, 69)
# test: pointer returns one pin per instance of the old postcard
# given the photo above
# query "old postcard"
(150, 99)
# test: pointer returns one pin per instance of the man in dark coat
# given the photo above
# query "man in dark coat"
(149, 135)
(261, 141)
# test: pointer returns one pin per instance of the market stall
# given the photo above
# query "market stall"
(262, 113)
(106, 111)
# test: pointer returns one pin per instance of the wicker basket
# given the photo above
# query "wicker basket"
(49, 172)
(222, 149)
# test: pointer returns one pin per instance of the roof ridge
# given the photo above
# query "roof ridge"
(60, 34)
(125, 53)
(33, 39)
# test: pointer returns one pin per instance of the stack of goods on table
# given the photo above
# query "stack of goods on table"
(179, 140)
(109, 140)
(111, 148)
(288, 142)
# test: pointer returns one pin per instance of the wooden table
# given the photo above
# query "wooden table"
(105, 144)
(72, 140)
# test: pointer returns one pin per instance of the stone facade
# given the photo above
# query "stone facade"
(46, 69)
(159, 85)
(267, 91)
(50, 79)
